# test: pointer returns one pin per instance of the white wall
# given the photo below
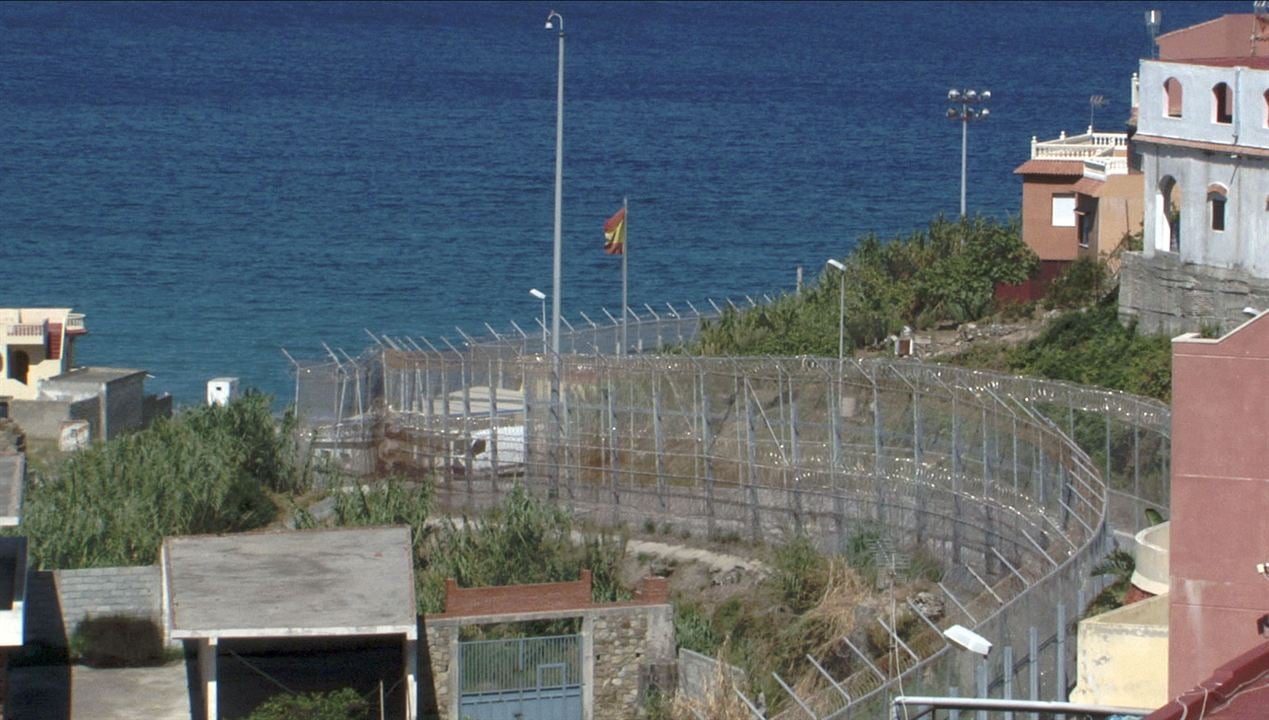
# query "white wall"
(1249, 126)
(1242, 245)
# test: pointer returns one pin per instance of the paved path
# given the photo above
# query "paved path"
(40, 693)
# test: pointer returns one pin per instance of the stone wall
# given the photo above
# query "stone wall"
(442, 644)
(633, 650)
(627, 647)
(1165, 295)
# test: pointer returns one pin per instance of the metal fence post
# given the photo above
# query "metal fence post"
(1061, 653)
(1033, 665)
(1008, 677)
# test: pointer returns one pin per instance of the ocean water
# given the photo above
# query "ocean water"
(212, 182)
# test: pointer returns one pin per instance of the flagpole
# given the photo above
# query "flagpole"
(625, 258)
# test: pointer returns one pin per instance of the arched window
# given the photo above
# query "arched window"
(1167, 218)
(1172, 97)
(1217, 196)
(1222, 104)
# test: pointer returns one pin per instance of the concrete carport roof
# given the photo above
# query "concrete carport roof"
(287, 585)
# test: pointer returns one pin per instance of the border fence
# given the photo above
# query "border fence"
(1018, 484)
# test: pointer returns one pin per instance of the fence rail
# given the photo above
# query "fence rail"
(1017, 482)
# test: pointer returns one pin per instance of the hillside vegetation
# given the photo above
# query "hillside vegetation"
(945, 273)
(207, 470)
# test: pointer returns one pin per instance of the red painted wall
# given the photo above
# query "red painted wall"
(1220, 500)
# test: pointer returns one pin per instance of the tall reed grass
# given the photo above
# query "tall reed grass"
(207, 470)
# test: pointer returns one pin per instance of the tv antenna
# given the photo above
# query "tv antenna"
(1259, 34)
(1095, 103)
(1154, 19)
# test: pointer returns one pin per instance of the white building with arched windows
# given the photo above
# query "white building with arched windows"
(1203, 139)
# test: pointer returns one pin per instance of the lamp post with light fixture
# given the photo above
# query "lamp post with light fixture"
(965, 113)
(841, 330)
(541, 296)
(551, 19)
(553, 490)
(841, 308)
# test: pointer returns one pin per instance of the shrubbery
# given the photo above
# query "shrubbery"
(945, 273)
(523, 540)
(343, 704)
(206, 470)
(1089, 347)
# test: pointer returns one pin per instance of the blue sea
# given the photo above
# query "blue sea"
(212, 182)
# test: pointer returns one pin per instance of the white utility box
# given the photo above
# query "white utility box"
(222, 390)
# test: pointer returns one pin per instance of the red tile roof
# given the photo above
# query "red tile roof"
(1237, 690)
(1089, 186)
(1050, 167)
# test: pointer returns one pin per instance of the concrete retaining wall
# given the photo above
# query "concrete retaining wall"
(42, 419)
(58, 600)
(1165, 295)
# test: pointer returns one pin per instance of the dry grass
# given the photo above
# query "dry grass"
(720, 702)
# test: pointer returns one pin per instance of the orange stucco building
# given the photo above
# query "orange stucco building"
(1080, 196)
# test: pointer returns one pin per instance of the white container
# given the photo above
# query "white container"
(222, 390)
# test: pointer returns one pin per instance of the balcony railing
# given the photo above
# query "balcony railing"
(1099, 168)
(1091, 143)
(25, 330)
(75, 323)
(1103, 153)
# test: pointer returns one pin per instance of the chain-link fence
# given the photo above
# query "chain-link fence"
(1016, 483)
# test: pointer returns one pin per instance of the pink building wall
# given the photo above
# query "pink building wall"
(1220, 500)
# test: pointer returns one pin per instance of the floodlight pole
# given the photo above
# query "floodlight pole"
(965, 113)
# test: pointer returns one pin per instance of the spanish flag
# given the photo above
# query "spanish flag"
(615, 233)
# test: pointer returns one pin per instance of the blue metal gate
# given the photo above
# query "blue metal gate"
(537, 678)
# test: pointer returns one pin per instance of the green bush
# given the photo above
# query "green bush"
(1083, 282)
(523, 540)
(1089, 347)
(800, 572)
(947, 272)
(207, 470)
(115, 641)
(343, 704)
(692, 629)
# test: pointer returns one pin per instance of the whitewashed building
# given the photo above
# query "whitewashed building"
(1203, 138)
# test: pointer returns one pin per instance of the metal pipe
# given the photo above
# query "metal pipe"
(948, 703)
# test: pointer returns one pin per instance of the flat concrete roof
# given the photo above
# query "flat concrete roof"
(96, 375)
(12, 473)
(347, 581)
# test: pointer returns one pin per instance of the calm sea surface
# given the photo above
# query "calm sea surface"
(212, 182)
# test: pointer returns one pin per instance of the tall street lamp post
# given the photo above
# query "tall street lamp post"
(966, 99)
(541, 296)
(551, 19)
(556, 426)
(841, 332)
(841, 308)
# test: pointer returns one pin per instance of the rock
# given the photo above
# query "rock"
(929, 605)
